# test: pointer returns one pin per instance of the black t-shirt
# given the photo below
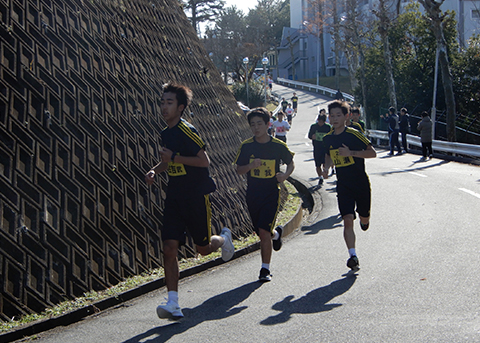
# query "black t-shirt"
(320, 132)
(349, 169)
(183, 139)
(294, 101)
(261, 181)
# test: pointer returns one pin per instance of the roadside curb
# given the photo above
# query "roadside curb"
(77, 315)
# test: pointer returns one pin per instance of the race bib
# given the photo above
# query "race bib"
(176, 169)
(341, 161)
(319, 136)
(280, 129)
(265, 171)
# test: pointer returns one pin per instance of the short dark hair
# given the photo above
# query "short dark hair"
(322, 117)
(425, 114)
(392, 110)
(343, 105)
(403, 110)
(261, 112)
(183, 94)
(355, 110)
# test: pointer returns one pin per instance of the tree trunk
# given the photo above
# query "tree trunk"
(292, 56)
(336, 37)
(433, 9)
(387, 54)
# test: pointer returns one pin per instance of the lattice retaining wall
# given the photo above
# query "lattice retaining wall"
(79, 128)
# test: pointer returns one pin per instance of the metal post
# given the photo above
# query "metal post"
(435, 82)
(225, 77)
(265, 62)
(245, 62)
(318, 52)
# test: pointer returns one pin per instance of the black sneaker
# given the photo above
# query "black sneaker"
(277, 243)
(320, 181)
(364, 227)
(352, 262)
(265, 275)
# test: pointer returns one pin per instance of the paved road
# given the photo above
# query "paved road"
(418, 280)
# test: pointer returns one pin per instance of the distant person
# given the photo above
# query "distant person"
(294, 102)
(404, 124)
(391, 118)
(259, 157)
(289, 112)
(270, 82)
(284, 104)
(187, 203)
(339, 95)
(356, 118)
(281, 127)
(317, 131)
(347, 149)
(425, 127)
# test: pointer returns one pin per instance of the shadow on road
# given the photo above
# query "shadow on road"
(329, 223)
(415, 169)
(219, 307)
(314, 302)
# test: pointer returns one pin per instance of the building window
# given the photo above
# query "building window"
(475, 14)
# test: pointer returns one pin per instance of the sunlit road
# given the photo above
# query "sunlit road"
(418, 282)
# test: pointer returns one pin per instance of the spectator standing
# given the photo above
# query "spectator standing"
(425, 127)
(404, 124)
(391, 118)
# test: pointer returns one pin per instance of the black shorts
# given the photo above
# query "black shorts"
(263, 211)
(282, 138)
(289, 117)
(192, 215)
(356, 195)
(319, 156)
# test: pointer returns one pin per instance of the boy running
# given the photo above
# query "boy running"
(347, 148)
(187, 204)
(316, 133)
(294, 102)
(260, 157)
(281, 127)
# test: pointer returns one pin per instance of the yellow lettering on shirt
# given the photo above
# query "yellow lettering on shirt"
(341, 161)
(265, 171)
(176, 169)
(319, 136)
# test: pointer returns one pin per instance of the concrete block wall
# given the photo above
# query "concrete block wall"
(80, 83)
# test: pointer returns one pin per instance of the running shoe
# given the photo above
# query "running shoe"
(169, 311)
(227, 248)
(352, 262)
(364, 227)
(265, 275)
(277, 243)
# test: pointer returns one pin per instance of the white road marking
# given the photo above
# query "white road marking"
(413, 173)
(470, 192)
(418, 174)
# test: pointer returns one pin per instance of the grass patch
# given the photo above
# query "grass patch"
(287, 212)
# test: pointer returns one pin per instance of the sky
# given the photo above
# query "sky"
(243, 5)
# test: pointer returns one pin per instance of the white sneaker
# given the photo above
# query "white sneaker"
(169, 311)
(227, 248)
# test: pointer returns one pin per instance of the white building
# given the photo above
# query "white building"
(305, 50)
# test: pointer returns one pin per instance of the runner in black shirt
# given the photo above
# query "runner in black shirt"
(347, 149)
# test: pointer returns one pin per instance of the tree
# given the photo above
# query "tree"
(227, 39)
(383, 26)
(314, 23)
(203, 10)
(436, 16)
(355, 29)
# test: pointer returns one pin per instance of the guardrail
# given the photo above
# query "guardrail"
(312, 87)
(452, 147)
